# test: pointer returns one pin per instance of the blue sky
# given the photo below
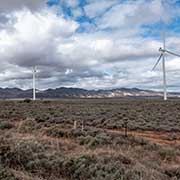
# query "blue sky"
(91, 44)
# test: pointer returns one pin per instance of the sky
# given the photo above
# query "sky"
(91, 44)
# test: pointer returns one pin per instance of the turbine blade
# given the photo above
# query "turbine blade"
(157, 61)
(172, 53)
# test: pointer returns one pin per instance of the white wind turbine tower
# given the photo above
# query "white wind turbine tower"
(162, 56)
(34, 83)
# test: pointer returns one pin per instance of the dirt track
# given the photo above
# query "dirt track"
(153, 136)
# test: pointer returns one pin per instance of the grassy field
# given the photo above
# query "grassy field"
(38, 140)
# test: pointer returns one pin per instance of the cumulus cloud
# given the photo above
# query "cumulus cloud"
(35, 38)
(13, 5)
(96, 8)
(72, 3)
(136, 13)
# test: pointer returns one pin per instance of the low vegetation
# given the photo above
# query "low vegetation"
(40, 140)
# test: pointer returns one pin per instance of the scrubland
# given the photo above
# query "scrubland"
(38, 140)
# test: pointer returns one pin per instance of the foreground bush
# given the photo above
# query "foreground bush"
(6, 174)
(6, 125)
(23, 152)
(173, 172)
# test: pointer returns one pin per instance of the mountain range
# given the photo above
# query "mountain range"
(63, 92)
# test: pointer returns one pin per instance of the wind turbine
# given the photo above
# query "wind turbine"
(34, 83)
(162, 56)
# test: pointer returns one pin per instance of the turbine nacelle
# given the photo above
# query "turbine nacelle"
(168, 52)
(162, 50)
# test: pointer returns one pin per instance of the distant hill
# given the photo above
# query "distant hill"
(62, 92)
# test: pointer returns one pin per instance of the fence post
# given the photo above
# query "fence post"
(82, 127)
(75, 124)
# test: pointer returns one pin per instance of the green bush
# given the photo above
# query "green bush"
(6, 125)
(93, 167)
(27, 100)
(167, 153)
(173, 172)
(24, 151)
(56, 132)
(99, 139)
(6, 174)
(28, 126)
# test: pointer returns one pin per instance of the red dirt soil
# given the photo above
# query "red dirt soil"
(153, 136)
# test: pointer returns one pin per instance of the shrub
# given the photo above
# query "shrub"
(85, 140)
(6, 175)
(167, 154)
(4, 153)
(24, 151)
(93, 167)
(99, 139)
(56, 132)
(6, 125)
(28, 125)
(46, 102)
(173, 172)
(27, 100)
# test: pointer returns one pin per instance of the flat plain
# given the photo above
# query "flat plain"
(40, 140)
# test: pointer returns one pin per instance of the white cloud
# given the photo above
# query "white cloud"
(72, 3)
(77, 12)
(12, 5)
(135, 13)
(96, 8)
(35, 37)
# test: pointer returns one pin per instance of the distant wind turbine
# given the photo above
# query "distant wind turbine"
(34, 83)
(162, 56)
